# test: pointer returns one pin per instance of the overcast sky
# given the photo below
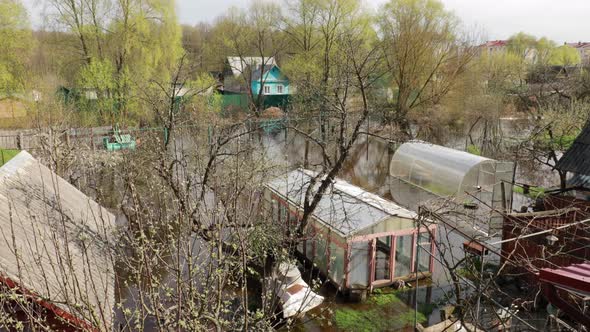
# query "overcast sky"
(565, 20)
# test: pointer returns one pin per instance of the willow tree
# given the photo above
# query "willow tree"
(196, 41)
(532, 50)
(565, 55)
(147, 40)
(425, 55)
(17, 42)
(315, 29)
(122, 46)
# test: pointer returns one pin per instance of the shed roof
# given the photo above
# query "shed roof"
(575, 277)
(345, 208)
(53, 241)
(258, 73)
(577, 158)
(579, 44)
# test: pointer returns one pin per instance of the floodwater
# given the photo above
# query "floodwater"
(368, 167)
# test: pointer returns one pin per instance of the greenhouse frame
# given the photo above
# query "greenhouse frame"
(421, 171)
(357, 239)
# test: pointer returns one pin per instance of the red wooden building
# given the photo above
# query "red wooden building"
(551, 238)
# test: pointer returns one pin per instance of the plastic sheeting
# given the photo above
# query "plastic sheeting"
(421, 172)
(296, 296)
(441, 170)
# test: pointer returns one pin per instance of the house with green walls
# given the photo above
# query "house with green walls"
(260, 76)
(269, 80)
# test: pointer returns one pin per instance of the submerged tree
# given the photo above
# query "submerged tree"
(425, 54)
(315, 31)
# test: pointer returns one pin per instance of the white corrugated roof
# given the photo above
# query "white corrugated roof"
(53, 240)
(345, 208)
(239, 64)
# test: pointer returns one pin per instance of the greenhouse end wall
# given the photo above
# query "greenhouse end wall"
(379, 259)
(358, 266)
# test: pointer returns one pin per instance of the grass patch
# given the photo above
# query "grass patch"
(426, 309)
(561, 143)
(11, 108)
(6, 155)
(533, 192)
(16, 123)
(383, 312)
(384, 299)
(474, 150)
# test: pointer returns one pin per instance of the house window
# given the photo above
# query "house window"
(279, 89)
(266, 89)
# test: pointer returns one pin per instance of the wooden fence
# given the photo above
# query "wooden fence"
(32, 139)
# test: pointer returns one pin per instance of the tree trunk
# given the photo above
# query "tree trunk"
(562, 179)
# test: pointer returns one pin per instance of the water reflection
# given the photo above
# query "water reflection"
(367, 167)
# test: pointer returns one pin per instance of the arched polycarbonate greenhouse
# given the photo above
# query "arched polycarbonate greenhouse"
(421, 171)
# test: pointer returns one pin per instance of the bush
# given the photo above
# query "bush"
(6, 155)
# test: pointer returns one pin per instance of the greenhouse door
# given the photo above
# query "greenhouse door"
(382, 260)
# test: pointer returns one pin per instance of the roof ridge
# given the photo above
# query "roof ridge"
(373, 199)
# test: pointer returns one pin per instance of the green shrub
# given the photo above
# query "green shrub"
(473, 150)
(6, 155)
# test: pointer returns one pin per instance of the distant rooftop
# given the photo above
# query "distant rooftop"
(579, 44)
(495, 43)
(239, 64)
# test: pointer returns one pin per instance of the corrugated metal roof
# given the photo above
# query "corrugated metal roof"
(579, 180)
(239, 64)
(53, 240)
(257, 73)
(345, 208)
(574, 277)
(577, 158)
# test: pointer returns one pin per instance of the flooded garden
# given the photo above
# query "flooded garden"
(205, 255)
(387, 309)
